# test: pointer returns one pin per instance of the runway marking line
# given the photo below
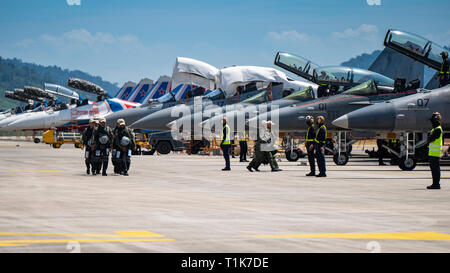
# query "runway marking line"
(417, 236)
(30, 171)
(119, 236)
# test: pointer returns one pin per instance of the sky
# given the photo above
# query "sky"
(129, 40)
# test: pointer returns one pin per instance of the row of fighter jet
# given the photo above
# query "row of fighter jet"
(349, 98)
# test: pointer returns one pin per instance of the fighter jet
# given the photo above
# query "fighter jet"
(241, 80)
(190, 78)
(292, 118)
(406, 119)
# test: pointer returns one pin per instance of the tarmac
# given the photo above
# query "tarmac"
(182, 203)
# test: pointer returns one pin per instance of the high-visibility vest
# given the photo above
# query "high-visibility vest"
(244, 135)
(325, 128)
(227, 139)
(308, 137)
(435, 147)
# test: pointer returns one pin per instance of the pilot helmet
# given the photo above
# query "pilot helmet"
(124, 141)
(103, 139)
(90, 142)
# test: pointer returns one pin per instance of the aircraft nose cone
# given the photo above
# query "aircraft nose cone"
(155, 121)
(373, 118)
(341, 122)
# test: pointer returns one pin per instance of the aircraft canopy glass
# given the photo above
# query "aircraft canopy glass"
(295, 64)
(415, 46)
(340, 74)
(305, 94)
(215, 95)
(365, 89)
(258, 98)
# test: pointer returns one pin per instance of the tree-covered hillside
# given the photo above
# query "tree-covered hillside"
(16, 74)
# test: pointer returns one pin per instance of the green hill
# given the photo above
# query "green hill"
(16, 74)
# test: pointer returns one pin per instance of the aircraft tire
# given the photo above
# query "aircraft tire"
(292, 157)
(407, 164)
(340, 160)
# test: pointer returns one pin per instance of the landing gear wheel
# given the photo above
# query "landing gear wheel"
(340, 159)
(36, 140)
(164, 147)
(292, 157)
(407, 164)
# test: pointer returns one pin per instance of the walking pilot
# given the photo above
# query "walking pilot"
(88, 142)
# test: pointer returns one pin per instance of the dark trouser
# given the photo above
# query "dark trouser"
(320, 158)
(226, 155)
(125, 161)
(88, 159)
(435, 169)
(257, 160)
(311, 157)
(244, 148)
(104, 162)
(380, 150)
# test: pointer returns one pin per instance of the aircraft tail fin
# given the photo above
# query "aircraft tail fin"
(161, 87)
(141, 90)
(395, 65)
(125, 92)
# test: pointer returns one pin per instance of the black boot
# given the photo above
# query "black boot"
(311, 174)
(434, 187)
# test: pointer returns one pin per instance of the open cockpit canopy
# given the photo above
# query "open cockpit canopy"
(348, 76)
(296, 64)
(416, 47)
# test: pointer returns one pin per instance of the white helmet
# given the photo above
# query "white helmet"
(124, 141)
(103, 139)
(90, 142)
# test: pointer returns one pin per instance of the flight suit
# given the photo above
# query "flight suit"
(101, 153)
(124, 152)
(444, 74)
(85, 138)
(269, 148)
(115, 161)
(321, 136)
(309, 144)
(434, 154)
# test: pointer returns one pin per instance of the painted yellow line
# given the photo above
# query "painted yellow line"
(12, 245)
(9, 242)
(119, 234)
(427, 236)
(30, 171)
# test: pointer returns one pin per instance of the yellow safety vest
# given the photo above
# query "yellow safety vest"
(318, 133)
(244, 134)
(227, 139)
(308, 137)
(435, 147)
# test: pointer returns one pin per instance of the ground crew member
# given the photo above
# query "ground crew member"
(243, 147)
(309, 144)
(226, 143)
(87, 140)
(102, 137)
(381, 151)
(435, 143)
(321, 136)
(124, 138)
(444, 74)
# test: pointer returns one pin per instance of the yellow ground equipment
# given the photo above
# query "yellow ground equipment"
(142, 143)
(56, 139)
